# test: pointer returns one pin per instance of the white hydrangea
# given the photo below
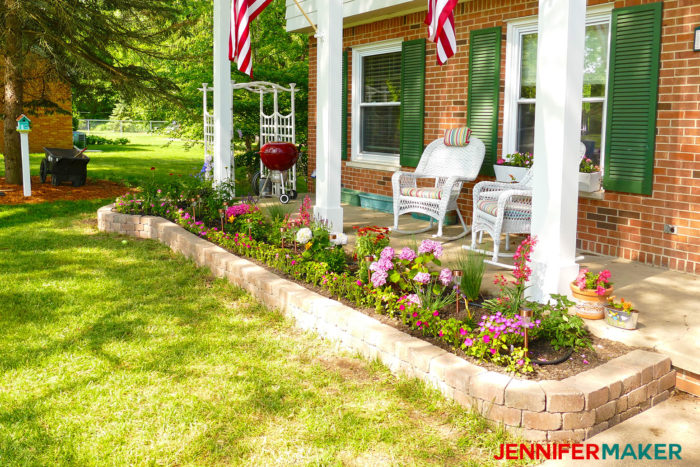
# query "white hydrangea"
(340, 239)
(304, 235)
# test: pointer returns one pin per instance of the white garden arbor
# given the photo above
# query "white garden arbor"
(557, 122)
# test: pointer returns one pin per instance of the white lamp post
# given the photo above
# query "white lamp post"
(23, 129)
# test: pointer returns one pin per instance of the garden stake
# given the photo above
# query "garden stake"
(457, 279)
(221, 214)
(368, 260)
(527, 314)
(194, 215)
(248, 222)
(282, 235)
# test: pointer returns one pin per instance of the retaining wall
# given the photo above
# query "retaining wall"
(573, 409)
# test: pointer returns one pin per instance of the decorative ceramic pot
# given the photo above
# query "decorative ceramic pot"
(589, 183)
(509, 174)
(590, 305)
(620, 318)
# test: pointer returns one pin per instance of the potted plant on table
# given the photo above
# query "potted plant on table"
(589, 176)
(591, 291)
(621, 314)
(513, 167)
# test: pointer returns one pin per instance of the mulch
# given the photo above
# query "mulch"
(45, 192)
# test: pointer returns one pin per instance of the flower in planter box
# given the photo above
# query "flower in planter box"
(599, 282)
(517, 159)
(587, 166)
(304, 235)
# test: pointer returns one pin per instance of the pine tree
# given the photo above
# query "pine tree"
(83, 41)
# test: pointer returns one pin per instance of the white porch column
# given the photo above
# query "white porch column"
(223, 115)
(328, 113)
(560, 49)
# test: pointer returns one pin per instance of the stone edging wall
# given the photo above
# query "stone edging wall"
(573, 409)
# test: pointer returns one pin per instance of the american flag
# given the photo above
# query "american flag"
(243, 12)
(441, 27)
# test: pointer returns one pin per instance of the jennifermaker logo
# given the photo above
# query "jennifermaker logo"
(589, 451)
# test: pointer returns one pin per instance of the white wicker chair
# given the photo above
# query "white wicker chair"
(503, 208)
(450, 166)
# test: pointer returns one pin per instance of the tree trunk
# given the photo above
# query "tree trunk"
(12, 108)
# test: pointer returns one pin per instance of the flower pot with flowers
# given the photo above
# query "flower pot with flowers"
(513, 167)
(591, 291)
(621, 314)
(589, 176)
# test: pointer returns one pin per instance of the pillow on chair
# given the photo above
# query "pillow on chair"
(457, 136)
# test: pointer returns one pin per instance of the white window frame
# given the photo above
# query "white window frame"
(358, 53)
(515, 31)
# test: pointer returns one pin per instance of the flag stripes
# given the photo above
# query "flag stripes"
(441, 28)
(243, 12)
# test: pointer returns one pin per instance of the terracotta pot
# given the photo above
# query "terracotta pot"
(590, 305)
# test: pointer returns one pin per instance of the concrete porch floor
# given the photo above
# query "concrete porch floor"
(669, 301)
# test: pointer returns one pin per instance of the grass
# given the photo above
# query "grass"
(118, 351)
(131, 163)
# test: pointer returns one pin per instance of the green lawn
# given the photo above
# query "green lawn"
(118, 351)
(129, 164)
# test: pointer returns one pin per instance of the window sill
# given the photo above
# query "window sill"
(600, 194)
(387, 167)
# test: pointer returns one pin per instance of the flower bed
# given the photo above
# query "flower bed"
(573, 409)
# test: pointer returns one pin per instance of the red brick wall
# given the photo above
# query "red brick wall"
(49, 129)
(624, 225)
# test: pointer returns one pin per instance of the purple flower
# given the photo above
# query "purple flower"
(422, 278)
(387, 253)
(379, 278)
(446, 277)
(407, 254)
(430, 246)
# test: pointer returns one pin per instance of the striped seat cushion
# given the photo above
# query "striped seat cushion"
(457, 136)
(430, 193)
(516, 212)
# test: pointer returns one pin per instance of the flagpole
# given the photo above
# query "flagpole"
(307, 17)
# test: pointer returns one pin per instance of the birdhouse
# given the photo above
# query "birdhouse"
(23, 123)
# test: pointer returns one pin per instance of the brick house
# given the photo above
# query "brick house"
(49, 128)
(656, 185)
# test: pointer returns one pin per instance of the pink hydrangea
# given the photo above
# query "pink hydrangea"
(413, 298)
(431, 246)
(422, 278)
(446, 277)
(407, 254)
(379, 278)
(387, 253)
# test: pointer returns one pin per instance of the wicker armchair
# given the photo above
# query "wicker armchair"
(450, 167)
(503, 208)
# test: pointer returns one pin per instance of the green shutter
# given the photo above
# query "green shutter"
(483, 93)
(632, 92)
(412, 101)
(344, 109)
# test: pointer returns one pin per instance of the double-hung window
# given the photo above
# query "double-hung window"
(376, 103)
(521, 63)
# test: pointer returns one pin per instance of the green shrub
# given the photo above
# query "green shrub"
(473, 267)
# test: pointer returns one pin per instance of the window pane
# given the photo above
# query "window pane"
(381, 78)
(592, 129)
(595, 61)
(526, 128)
(528, 66)
(380, 129)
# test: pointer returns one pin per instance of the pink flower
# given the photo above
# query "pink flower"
(402, 307)
(468, 342)
(493, 351)
(294, 262)
(600, 290)
(379, 278)
(359, 282)
(585, 362)
(500, 161)
(407, 254)
(486, 338)
(419, 323)
(521, 362)
(387, 253)
(462, 332)
(415, 314)
(446, 277)
(436, 313)
(431, 246)
(440, 333)
(413, 298)
(422, 278)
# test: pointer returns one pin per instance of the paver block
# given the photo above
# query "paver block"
(659, 398)
(464, 399)
(629, 413)
(621, 404)
(459, 375)
(566, 435)
(489, 386)
(600, 427)
(562, 397)
(667, 381)
(637, 396)
(594, 388)
(502, 414)
(606, 411)
(542, 420)
(442, 363)
(573, 421)
(420, 356)
(643, 359)
(652, 389)
(524, 394)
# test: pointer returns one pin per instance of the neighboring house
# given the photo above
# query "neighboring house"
(489, 85)
(50, 128)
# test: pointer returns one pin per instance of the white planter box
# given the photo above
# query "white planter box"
(508, 174)
(589, 182)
